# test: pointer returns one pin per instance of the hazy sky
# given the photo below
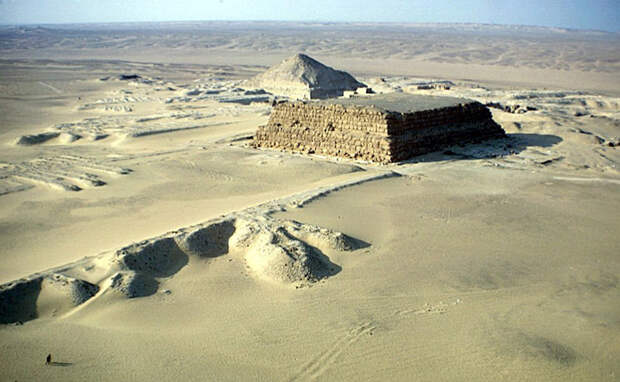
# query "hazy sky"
(582, 14)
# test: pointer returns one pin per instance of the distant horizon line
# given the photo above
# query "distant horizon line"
(570, 29)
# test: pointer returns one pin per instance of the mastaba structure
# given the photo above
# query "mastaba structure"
(303, 77)
(382, 128)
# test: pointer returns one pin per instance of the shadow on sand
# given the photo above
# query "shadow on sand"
(60, 364)
(511, 144)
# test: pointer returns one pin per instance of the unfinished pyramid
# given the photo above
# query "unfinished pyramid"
(303, 77)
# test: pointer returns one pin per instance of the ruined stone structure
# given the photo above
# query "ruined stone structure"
(382, 128)
(303, 77)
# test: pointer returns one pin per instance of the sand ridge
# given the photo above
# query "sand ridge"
(285, 252)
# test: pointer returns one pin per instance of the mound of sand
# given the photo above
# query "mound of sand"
(30, 298)
(286, 251)
(35, 139)
(132, 284)
(281, 251)
(303, 77)
(210, 241)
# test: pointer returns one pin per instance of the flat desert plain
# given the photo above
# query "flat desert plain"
(143, 238)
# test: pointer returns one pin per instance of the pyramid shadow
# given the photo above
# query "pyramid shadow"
(511, 144)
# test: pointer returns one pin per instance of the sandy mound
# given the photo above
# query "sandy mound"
(210, 241)
(141, 264)
(27, 299)
(131, 284)
(303, 77)
(159, 257)
(280, 251)
(35, 139)
(276, 250)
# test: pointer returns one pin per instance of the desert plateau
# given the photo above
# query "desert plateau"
(144, 235)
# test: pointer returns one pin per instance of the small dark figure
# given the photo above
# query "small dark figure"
(48, 360)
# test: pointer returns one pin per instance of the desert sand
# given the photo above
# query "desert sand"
(142, 237)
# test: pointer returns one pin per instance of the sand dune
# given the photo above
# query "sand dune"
(285, 252)
(484, 44)
(516, 54)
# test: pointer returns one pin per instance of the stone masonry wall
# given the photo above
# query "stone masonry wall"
(368, 133)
